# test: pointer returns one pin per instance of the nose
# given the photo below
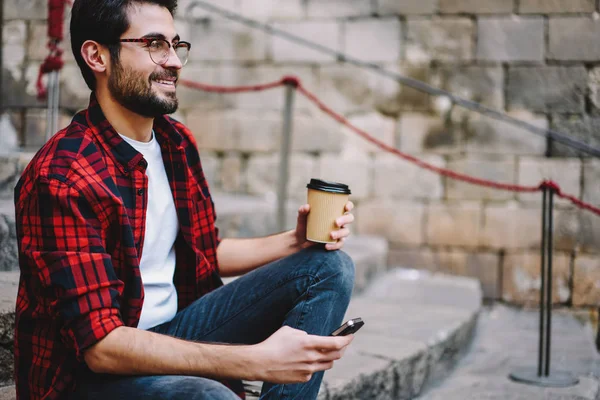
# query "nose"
(173, 60)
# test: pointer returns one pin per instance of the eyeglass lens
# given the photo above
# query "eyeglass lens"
(160, 51)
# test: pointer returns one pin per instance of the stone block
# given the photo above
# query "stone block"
(13, 46)
(272, 9)
(585, 130)
(338, 8)
(74, 93)
(522, 278)
(376, 40)
(273, 99)
(556, 6)
(326, 33)
(231, 176)
(507, 39)
(395, 177)
(481, 84)
(213, 130)
(445, 39)
(454, 224)
(486, 268)
(407, 7)
(37, 48)
(353, 171)
(413, 258)
(496, 170)
(511, 227)
(547, 89)
(594, 88)
(350, 90)
(374, 124)
(315, 133)
(586, 282)
(227, 41)
(257, 132)
(262, 175)
(591, 177)
(25, 9)
(400, 222)
(9, 175)
(589, 232)
(189, 9)
(485, 135)
(35, 127)
(476, 6)
(199, 99)
(211, 167)
(419, 133)
(566, 173)
(574, 38)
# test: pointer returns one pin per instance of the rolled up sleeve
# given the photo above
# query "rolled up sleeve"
(63, 248)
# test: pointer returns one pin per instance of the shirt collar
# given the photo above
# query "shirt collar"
(122, 152)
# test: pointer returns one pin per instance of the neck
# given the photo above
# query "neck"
(126, 122)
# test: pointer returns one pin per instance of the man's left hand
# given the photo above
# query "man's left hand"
(339, 234)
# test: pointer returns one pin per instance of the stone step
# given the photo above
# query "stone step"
(417, 326)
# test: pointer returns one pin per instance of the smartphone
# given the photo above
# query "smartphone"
(349, 327)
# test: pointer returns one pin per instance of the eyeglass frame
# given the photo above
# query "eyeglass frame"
(149, 40)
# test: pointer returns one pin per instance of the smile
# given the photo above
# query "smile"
(165, 83)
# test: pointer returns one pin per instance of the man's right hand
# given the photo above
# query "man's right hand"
(293, 356)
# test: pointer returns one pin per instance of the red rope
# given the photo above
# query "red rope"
(441, 171)
(53, 62)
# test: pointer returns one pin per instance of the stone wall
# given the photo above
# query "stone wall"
(538, 60)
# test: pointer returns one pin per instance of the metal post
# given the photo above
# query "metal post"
(541, 345)
(50, 106)
(286, 144)
(542, 376)
(549, 247)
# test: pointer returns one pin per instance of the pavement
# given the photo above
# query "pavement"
(507, 339)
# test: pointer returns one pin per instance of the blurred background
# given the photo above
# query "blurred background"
(536, 60)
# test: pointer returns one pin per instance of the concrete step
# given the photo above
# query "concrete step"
(417, 325)
(506, 340)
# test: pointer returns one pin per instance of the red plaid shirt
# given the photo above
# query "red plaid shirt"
(80, 208)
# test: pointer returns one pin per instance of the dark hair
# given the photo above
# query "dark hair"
(103, 21)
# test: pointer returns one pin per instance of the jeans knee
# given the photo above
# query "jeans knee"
(338, 266)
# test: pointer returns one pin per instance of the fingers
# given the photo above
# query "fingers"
(328, 343)
(344, 220)
(335, 246)
(340, 234)
(349, 206)
(304, 209)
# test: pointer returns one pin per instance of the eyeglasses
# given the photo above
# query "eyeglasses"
(160, 49)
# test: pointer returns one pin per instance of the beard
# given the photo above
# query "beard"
(134, 92)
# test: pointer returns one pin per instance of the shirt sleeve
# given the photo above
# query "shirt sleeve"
(62, 248)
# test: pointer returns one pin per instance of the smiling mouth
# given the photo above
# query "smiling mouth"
(166, 82)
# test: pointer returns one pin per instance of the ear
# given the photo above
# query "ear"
(95, 55)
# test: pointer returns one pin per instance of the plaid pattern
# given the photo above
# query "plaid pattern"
(80, 208)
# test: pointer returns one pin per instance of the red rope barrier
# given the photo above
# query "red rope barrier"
(422, 164)
(53, 62)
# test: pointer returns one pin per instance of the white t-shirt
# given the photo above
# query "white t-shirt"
(157, 264)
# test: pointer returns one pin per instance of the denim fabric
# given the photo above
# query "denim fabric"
(309, 290)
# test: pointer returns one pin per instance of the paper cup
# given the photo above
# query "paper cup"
(327, 203)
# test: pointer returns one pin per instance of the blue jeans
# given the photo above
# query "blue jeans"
(309, 290)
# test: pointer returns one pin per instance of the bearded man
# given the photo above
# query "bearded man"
(120, 295)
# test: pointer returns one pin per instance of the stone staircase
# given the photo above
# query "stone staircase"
(417, 324)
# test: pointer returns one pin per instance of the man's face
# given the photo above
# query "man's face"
(135, 81)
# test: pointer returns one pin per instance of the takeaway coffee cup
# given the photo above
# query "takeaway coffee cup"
(327, 201)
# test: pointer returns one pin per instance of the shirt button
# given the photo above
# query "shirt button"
(140, 192)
